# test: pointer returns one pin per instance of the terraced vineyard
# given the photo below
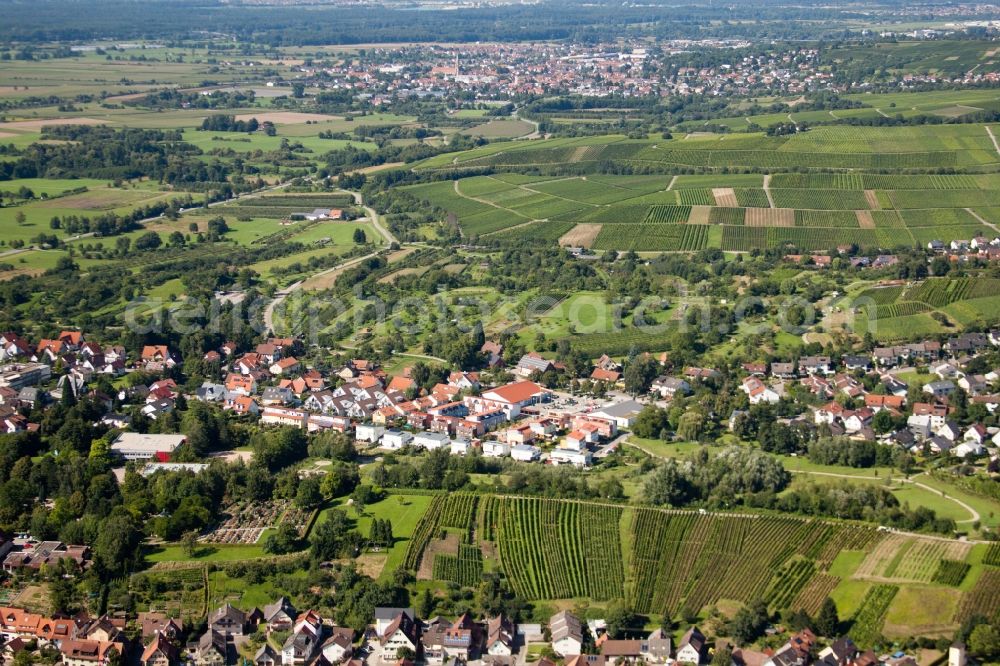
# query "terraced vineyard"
(866, 625)
(675, 562)
(938, 292)
(674, 553)
(423, 533)
(792, 578)
(951, 572)
(548, 549)
(829, 208)
(984, 598)
(466, 568)
(668, 214)
(899, 311)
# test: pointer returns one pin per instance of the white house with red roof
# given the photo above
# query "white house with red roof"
(511, 398)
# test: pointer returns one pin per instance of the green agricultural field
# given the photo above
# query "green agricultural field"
(501, 129)
(31, 218)
(244, 143)
(204, 553)
(402, 510)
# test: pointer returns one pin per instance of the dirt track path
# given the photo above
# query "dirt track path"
(993, 139)
(767, 190)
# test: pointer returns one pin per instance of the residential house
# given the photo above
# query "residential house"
(496, 449)
(151, 624)
(949, 430)
(930, 416)
(287, 417)
(493, 352)
(366, 432)
(796, 652)
(304, 642)
(839, 653)
(156, 358)
(692, 647)
(577, 457)
(76, 652)
(877, 402)
(279, 616)
(277, 395)
(783, 370)
(500, 635)
(974, 384)
(160, 652)
(400, 634)
(339, 646)
(242, 405)
(464, 381)
(815, 365)
(238, 383)
(967, 448)
(228, 621)
(384, 618)
(285, 366)
(857, 362)
(531, 363)
(759, 392)
(525, 453)
(855, 420)
(211, 649)
(701, 374)
(657, 648)
(567, 634)
(266, 656)
(211, 392)
(668, 387)
(445, 641)
(606, 376)
(431, 440)
(394, 440)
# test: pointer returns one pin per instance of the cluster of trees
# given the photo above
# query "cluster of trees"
(440, 470)
(590, 24)
(857, 453)
(222, 122)
(178, 99)
(73, 496)
(112, 224)
(76, 301)
(103, 152)
(380, 533)
(862, 501)
(729, 477)
(981, 636)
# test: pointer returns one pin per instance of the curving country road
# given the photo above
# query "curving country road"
(374, 218)
(281, 295)
(972, 512)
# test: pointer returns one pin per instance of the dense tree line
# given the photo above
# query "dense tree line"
(179, 99)
(222, 122)
(103, 152)
(47, 21)
(727, 477)
(856, 501)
